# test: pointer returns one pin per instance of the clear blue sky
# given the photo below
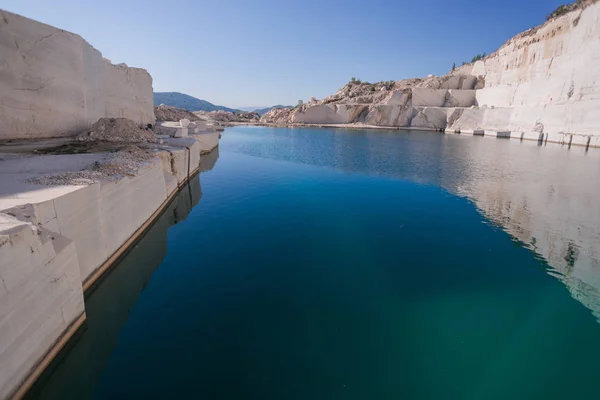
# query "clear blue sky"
(255, 53)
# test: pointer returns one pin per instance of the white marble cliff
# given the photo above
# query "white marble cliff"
(53, 83)
(543, 84)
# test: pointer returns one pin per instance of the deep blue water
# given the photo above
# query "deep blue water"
(331, 264)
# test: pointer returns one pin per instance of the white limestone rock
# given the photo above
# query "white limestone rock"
(466, 119)
(55, 84)
(460, 98)
(428, 97)
(430, 117)
(549, 75)
(400, 97)
(390, 115)
(40, 293)
(170, 128)
(327, 114)
(545, 80)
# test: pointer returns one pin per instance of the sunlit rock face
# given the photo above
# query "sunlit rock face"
(53, 83)
(548, 76)
(327, 114)
(542, 83)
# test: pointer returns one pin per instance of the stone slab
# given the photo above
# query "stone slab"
(40, 297)
(428, 97)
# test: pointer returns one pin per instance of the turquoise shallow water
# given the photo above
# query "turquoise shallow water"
(330, 264)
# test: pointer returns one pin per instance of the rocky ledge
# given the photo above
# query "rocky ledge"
(540, 85)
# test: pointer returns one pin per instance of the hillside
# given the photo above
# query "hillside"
(263, 111)
(540, 85)
(181, 100)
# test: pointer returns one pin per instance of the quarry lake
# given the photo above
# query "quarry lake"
(346, 264)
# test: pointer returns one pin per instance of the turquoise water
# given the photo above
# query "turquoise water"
(331, 264)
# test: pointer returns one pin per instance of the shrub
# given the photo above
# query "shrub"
(478, 57)
(372, 88)
(567, 8)
(560, 10)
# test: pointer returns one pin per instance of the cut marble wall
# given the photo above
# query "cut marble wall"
(53, 83)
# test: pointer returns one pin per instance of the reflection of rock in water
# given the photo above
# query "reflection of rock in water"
(108, 308)
(544, 196)
(548, 201)
(208, 160)
(570, 246)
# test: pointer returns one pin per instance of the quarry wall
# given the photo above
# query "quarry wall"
(543, 85)
(57, 241)
(53, 83)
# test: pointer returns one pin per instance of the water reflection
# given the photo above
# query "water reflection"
(75, 373)
(545, 196)
(208, 160)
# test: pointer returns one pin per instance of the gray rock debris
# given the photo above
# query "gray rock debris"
(125, 162)
(174, 114)
(118, 130)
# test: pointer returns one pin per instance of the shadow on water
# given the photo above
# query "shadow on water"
(75, 372)
(208, 160)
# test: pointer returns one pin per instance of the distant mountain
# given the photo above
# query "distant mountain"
(250, 108)
(262, 111)
(181, 100)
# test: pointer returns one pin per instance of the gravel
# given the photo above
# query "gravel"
(68, 178)
(125, 162)
(118, 130)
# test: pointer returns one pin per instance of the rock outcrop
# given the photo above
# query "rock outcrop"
(179, 122)
(118, 130)
(226, 118)
(169, 113)
(53, 83)
(542, 84)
